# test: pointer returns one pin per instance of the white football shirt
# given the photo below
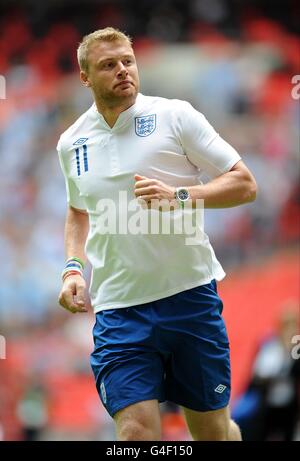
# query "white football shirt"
(159, 138)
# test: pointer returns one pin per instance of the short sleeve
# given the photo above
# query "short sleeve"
(202, 145)
(73, 195)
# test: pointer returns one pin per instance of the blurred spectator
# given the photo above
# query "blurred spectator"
(270, 408)
(32, 411)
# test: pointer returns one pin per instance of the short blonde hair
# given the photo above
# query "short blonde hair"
(109, 34)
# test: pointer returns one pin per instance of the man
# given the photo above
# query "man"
(159, 334)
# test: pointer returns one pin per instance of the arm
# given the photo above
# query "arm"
(230, 189)
(76, 230)
(72, 295)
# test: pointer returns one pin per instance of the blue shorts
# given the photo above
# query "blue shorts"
(173, 349)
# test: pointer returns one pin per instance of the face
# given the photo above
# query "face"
(112, 73)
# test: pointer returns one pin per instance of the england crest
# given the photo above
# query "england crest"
(144, 126)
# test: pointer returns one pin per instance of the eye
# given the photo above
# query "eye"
(108, 65)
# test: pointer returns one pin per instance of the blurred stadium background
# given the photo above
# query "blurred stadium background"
(233, 60)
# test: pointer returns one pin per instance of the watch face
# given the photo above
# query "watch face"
(183, 194)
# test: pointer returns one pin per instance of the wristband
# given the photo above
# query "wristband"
(75, 260)
(73, 266)
(66, 274)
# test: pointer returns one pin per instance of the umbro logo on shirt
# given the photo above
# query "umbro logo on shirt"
(80, 141)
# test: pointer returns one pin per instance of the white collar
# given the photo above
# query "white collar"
(124, 116)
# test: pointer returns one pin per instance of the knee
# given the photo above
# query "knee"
(140, 421)
(134, 431)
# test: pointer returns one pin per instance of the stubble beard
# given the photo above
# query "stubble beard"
(110, 99)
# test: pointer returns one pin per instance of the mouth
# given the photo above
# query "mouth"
(123, 83)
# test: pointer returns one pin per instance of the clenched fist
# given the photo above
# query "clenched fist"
(72, 295)
(152, 189)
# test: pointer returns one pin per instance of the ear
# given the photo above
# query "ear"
(85, 79)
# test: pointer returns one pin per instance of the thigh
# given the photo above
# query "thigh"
(126, 366)
(198, 371)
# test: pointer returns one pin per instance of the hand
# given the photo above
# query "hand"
(152, 189)
(72, 295)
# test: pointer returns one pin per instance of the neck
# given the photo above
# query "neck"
(111, 113)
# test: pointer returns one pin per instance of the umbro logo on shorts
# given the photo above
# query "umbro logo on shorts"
(220, 388)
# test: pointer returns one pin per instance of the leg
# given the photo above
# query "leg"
(140, 421)
(212, 425)
(129, 371)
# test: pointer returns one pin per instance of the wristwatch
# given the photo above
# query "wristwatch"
(182, 195)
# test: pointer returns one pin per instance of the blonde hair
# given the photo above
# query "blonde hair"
(109, 34)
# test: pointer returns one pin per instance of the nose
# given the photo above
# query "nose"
(122, 71)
